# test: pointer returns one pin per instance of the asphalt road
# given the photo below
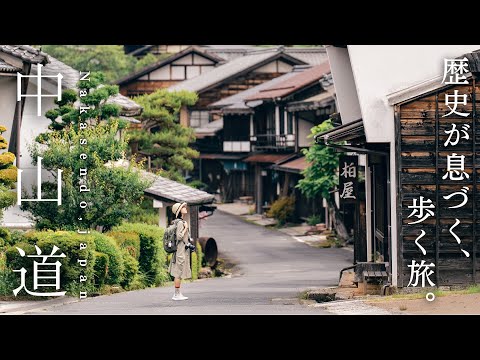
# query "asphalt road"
(271, 266)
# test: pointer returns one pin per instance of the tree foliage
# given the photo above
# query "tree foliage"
(320, 178)
(113, 191)
(109, 59)
(95, 108)
(162, 137)
(113, 194)
(8, 175)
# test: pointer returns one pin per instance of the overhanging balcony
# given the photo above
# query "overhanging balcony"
(272, 142)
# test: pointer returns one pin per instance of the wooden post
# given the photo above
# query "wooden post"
(285, 184)
(184, 120)
(244, 189)
(162, 221)
(277, 120)
(259, 188)
(295, 131)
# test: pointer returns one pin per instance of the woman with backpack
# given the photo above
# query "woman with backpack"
(180, 263)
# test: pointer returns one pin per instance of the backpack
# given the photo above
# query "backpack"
(170, 237)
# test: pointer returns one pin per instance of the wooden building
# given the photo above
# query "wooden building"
(425, 158)
(140, 51)
(226, 52)
(266, 127)
(421, 226)
(237, 75)
(188, 62)
(183, 65)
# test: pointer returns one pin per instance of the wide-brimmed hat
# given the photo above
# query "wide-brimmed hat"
(177, 207)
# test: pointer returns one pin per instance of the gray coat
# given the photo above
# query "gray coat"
(181, 267)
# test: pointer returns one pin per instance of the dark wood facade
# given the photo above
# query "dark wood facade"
(422, 164)
(184, 65)
(140, 87)
(232, 87)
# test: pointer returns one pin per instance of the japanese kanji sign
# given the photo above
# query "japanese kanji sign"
(439, 168)
(348, 175)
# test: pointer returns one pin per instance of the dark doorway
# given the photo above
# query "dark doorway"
(380, 208)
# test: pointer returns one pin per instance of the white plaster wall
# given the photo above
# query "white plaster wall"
(382, 69)
(8, 101)
(304, 129)
(32, 125)
(344, 83)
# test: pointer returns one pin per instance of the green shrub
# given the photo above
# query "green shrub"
(146, 218)
(8, 281)
(100, 268)
(145, 213)
(138, 282)
(283, 209)
(130, 269)
(199, 257)
(127, 240)
(314, 220)
(5, 237)
(197, 184)
(152, 259)
(16, 237)
(108, 246)
(194, 266)
(69, 244)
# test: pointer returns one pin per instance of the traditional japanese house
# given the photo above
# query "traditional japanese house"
(420, 182)
(239, 74)
(140, 51)
(267, 126)
(183, 65)
(24, 124)
(17, 59)
(226, 52)
(277, 131)
(232, 137)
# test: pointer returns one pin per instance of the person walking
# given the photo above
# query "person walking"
(179, 266)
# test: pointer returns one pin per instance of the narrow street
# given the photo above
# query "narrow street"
(271, 265)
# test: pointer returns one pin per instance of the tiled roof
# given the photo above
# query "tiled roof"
(323, 99)
(170, 59)
(292, 84)
(7, 68)
(236, 102)
(70, 75)
(221, 156)
(229, 52)
(169, 190)
(209, 129)
(128, 106)
(25, 53)
(71, 78)
(296, 166)
(232, 69)
(311, 55)
(268, 158)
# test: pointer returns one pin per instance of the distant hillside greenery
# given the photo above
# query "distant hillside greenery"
(108, 59)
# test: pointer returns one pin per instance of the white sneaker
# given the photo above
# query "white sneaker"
(179, 297)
